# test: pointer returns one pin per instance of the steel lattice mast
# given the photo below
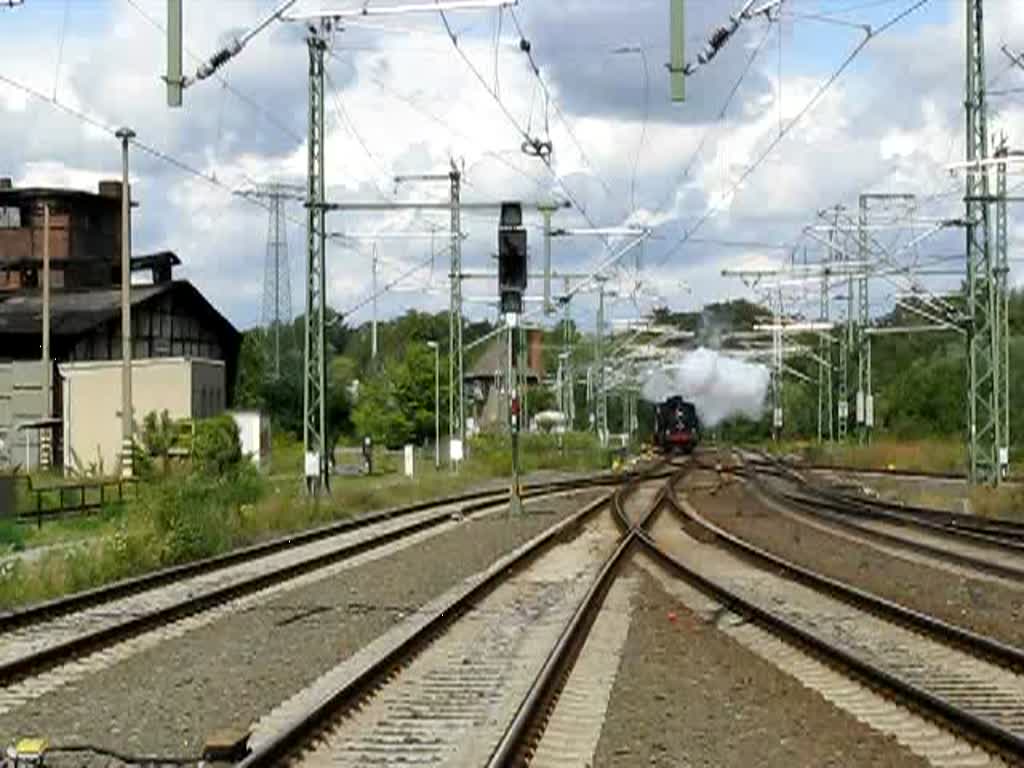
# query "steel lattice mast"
(1002, 277)
(314, 423)
(277, 287)
(984, 423)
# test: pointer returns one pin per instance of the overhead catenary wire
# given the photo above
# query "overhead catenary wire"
(811, 103)
(237, 93)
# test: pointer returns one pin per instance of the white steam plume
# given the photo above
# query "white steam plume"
(718, 385)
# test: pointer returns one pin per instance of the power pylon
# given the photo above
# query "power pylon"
(984, 421)
(277, 285)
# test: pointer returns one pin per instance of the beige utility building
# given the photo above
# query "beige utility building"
(91, 397)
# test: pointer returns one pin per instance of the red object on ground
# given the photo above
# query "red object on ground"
(672, 616)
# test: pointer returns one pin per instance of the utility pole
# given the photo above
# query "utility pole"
(127, 422)
(46, 436)
(456, 398)
(1002, 277)
(864, 403)
(777, 368)
(455, 358)
(984, 421)
(567, 345)
(546, 211)
(601, 416)
(825, 405)
(373, 328)
(314, 390)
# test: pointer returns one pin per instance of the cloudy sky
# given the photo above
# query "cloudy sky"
(712, 176)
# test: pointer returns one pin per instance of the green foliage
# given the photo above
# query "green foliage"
(396, 406)
(216, 448)
(195, 516)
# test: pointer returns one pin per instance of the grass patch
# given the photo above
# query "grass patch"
(1005, 502)
(926, 455)
(185, 516)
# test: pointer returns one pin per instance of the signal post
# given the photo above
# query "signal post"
(512, 277)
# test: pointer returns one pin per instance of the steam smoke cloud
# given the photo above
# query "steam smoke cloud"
(719, 386)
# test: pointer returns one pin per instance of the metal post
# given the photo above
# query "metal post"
(1002, 277)
(456, 232)
(825, 411)
(515, 494)
(546, 212)
(315, 374)
(777, 370)
(984, 422)
(437, 402)
(569, 376)
(174, 58)
(373, 330)
(601, 416)
(127, 426)
(863, 318)
(45, 437)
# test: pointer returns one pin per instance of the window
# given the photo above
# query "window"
(10, 218)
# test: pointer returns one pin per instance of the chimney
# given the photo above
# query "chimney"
(535, 355)
(111, 189)
(6, 182)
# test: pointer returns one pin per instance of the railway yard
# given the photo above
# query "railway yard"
(719, 609)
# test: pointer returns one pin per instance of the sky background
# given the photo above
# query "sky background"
(402, 100)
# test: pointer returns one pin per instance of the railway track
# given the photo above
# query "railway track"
(970, 684)
(986, 547)
(46, 646)
(470, 683)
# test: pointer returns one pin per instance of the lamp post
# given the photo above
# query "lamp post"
(437, 403)
(127, 460)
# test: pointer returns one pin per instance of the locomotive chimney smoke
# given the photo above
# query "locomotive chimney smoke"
(719, 386)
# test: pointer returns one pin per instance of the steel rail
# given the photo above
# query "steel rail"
(126, 587)
(275, 750)
(937, 519)
(45, 658)
(1000, 653)
(842, 520)
(966, 722)
(562, 658)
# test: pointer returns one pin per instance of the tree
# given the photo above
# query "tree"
(396, 406)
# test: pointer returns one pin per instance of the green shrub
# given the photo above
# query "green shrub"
(216, 448)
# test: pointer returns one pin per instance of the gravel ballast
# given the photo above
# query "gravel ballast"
(168, 699)
(686, 694)
(983, 606)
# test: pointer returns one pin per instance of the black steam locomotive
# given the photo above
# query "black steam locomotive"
(676, 427)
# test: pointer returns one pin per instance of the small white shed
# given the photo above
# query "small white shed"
(254, 433)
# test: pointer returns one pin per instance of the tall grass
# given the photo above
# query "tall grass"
(185, 516)
(925, 455)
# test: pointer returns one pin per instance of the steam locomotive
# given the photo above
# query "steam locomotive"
(676, 427)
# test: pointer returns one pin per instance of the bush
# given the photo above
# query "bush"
(216, 448)
(198, 516)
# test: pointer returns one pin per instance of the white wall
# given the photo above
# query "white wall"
(92, 403)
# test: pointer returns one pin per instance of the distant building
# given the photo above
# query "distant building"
(171, 321)
(487, 380)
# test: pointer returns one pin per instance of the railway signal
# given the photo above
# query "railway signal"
(512, 277)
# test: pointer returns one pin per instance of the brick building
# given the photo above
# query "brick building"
(171, 320)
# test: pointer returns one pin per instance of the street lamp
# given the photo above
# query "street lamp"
(127, 427)
(437, 403)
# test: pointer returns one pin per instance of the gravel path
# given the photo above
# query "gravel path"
(688, 695)
(983, 606)
(167, 699)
